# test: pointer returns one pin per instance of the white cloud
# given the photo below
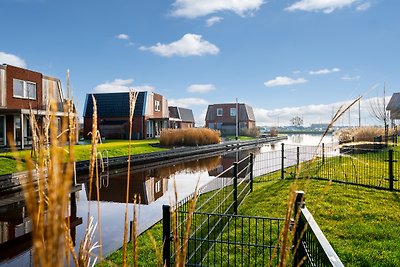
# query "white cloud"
(201, 88)
(363, 6)
(189, 45)
(187, 102)
(11, 59)
(284, 80)
(318, 114)
(213, 20)
(121, 85)
(324, 71)
(122, 36)
(198, 8)
(326, 6)
(350, 78)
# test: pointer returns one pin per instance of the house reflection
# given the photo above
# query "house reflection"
(16, 227)
(146, 186)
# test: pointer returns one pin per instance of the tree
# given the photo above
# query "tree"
(377, 110)
(296, 121)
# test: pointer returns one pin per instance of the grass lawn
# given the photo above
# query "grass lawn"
(82, 152)
(362, 224)
(240, 137)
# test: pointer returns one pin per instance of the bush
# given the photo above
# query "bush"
(189, 137)
(252, 132)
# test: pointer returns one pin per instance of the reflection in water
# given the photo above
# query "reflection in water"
(16, 228)
(147, 185)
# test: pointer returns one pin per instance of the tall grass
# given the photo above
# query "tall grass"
(361, 134)
(189, 137)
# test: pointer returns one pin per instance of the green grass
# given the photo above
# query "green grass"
(240, 137)
(115, 148)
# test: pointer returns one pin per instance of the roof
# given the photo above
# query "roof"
(246, 112)
(394, 102)
(185, 114)
(114, 105)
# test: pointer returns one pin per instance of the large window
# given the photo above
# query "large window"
(24, 89)
(157, 105)
(2, 130)
(219, 112)
(233, 112)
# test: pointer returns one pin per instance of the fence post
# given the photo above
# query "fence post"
(298, 156)
(251, 171)
(235, 185)
(283, 162)
(323, 153)
(166, 235)
(391, 176)
(299, 203)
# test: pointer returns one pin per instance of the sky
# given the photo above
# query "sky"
(284, 58)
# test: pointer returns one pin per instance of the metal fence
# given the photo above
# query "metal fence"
(221, 196)
(363, 165)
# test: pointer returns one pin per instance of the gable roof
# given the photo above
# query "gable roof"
(394, 106)
(246, 112)
(114, 105)
(184, 114)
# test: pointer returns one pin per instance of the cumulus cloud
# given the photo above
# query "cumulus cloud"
(11, 59)
(284, 80)
(326, 6)
(187, 102)
(363, 6)
(196, 8)
(122, 36)
(121, 85)
(201, 88)
(189, 45)
(213, 20)
(351, 78)
(324, 71)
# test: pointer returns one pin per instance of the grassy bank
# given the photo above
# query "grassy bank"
(361, 224)
(115, 148)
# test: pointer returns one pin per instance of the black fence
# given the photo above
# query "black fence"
(356, 164)
(221, 196)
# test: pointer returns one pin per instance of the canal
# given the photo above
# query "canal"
(153, 186)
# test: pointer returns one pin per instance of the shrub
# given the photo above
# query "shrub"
(189, 137)
(252, 132)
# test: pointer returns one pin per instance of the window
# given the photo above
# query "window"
(233, 112)
(158, 186)
(24, 89)
(219, 112)
(157, 105)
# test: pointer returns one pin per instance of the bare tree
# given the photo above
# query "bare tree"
(377, 109)
(296, 121)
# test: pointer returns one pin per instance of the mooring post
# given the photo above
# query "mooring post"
(283, 161)
(235, 185)
(251, 171)
(299, 203)
(391, 175)
(166, 235)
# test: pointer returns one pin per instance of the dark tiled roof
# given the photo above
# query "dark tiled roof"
(173, 112)
(186, 114)
(114, 105)
(394, 102)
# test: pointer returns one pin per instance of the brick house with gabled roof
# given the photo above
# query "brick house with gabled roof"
(180, 118)
(150, 115)
(222, 117)
(23, 90)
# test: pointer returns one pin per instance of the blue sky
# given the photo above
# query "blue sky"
(284, 58)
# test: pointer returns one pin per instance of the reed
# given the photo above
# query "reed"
(189, 137)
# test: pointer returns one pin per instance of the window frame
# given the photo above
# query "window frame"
(230, 112)
(220, 114)
(157, 105)
(26, 92)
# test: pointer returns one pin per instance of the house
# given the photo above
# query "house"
(150, 115)
(394, 107)
(180, 118)
(223, 117)
(21, 91)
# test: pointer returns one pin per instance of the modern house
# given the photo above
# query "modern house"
(23, 91)
(180, 118)
(150, 115)
(394, 107)
(223, 117)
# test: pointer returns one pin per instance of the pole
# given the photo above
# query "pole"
(251, 171)
(283, 161)
(166, 235)
(235, 185)
(237, 119)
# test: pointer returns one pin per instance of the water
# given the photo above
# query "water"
(154, 187)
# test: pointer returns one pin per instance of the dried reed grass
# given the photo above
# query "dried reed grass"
(189, 137)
